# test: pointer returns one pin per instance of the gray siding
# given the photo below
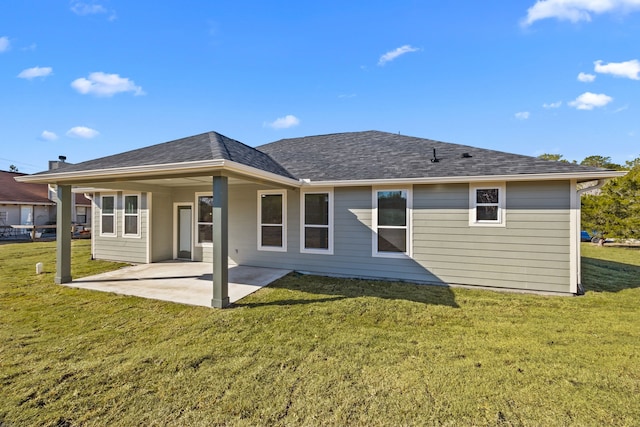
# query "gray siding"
(161, 227)
(352, 246)
(531, 252)
(119, 248)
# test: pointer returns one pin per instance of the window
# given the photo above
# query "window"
(205, 218)
(81, 214)
(131, 215)
(486, 204)
(316, 234)
(391, 221)
(107, 216)
(272, 217)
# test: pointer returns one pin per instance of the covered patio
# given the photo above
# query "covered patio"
(179, 281)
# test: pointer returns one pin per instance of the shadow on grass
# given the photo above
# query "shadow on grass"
(609, 276)
(329, 289)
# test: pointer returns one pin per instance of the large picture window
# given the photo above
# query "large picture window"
(317, 222)
(272, 219)
(392, 211)
(131, 215)
(486, 204)
(108, 216)
(205, 218)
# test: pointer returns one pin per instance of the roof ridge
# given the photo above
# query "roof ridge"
(222, 145)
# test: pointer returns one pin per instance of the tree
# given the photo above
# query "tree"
(13, 168)
(616, 210)
(600, 162)
(553, 157)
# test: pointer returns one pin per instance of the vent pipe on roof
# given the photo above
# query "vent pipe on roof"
(62, 158)
(435, 158)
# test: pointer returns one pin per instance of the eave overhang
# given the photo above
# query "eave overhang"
(578, 176)
(167, 170)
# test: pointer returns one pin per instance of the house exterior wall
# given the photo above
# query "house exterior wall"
(119, 247)
(531, 251)
(161, 231)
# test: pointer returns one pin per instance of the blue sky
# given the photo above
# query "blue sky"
(87, 79)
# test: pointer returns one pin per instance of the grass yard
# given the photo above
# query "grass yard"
(319, 351)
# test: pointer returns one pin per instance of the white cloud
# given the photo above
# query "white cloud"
(522, 115)
(82, 9)
(589, 101)
(391, 55)
(586, 77)
(346, 95)
(31, 73)
(102, 84)
(4, 44)
(82, 132)
(628, 69)
(284, 122)
(48, 135)
(552, 105)
(576, 10)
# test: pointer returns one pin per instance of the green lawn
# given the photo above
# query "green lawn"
(319, 351)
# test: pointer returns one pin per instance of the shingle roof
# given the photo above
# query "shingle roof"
(370, 155)
(382, 155)
(206, 146)
(27, 193)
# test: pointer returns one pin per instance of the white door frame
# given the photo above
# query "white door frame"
(175, 242)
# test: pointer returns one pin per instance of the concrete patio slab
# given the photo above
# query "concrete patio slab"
(179, 281)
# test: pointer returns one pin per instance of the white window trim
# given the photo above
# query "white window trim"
(374, 224)
(125, 214)
(115, 210)
(328, 251)
(502, 197)
(282, 248)
(196, 223)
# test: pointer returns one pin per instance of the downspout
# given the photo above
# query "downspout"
(599, 183)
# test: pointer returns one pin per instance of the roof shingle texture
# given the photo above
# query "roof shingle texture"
(206, 146)
(26, 193)
(337, 157)
(382, 155)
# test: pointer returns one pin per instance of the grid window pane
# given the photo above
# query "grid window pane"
(272, 235)
(205, 233)
(131, 224)
(487, 213)
(107, 205)
(316, 209)
(107, 224)
(130, 204)
(392, 240)
(488, 195)
(392, 208)
(271, 209)
(316, 238)
(205, 208)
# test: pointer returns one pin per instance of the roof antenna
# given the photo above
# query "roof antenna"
(435, 158)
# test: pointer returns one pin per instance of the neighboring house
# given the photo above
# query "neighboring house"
(23, 203)
(362, 204)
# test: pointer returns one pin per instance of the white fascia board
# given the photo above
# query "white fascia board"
(126, 172)
(465, 179)
(259, 173)
(136, 172)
